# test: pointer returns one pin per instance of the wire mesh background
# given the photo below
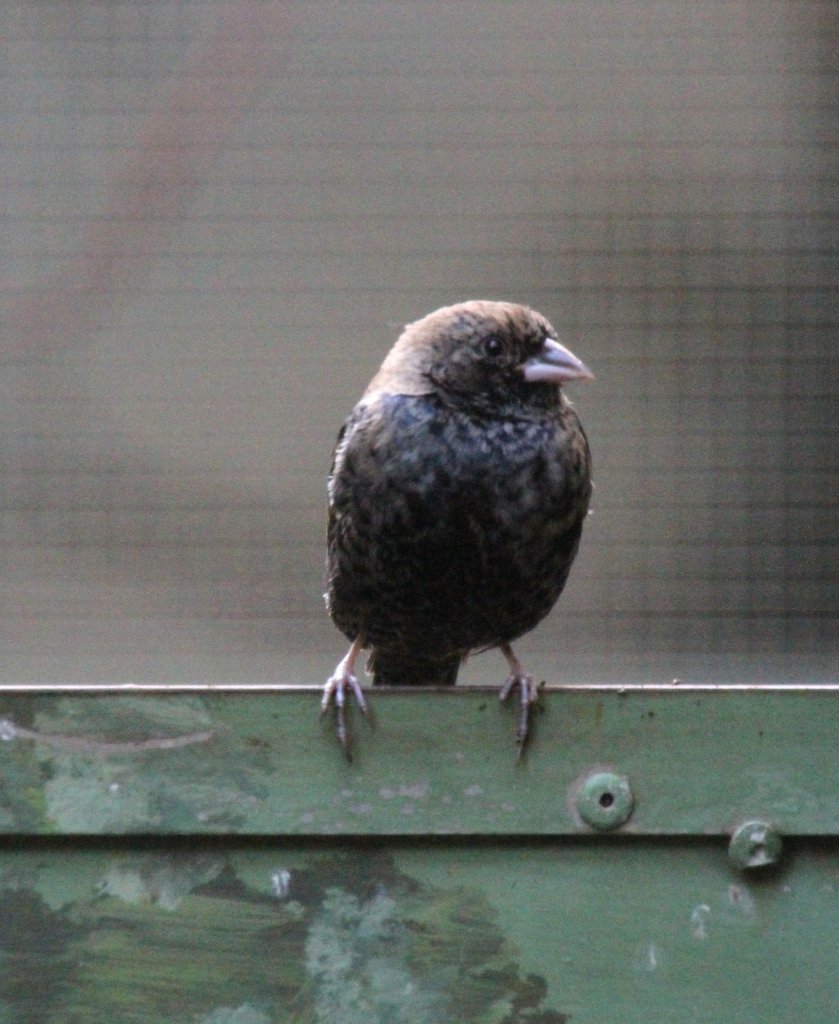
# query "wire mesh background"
(217, 216)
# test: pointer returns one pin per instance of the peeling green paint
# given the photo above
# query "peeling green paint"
(211, 858)
(261, 763)
(171, 936)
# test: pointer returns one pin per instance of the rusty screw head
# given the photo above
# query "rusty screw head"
(755, 844)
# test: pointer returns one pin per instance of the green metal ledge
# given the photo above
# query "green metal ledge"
(225, 760)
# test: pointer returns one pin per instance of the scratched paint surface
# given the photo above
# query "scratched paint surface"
(211, 858)
(524, 933)
(261, 763)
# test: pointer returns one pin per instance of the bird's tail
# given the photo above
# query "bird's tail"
(412, 668)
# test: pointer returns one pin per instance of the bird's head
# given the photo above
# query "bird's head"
(483, 354)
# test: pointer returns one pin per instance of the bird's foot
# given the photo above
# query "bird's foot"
(335, 694)
(528, 695)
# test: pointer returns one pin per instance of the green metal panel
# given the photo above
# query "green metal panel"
(698, 760)
(639, 933)
(211, 858)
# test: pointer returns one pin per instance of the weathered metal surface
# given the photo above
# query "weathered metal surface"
(293, 887)
(471, 932)
(698, 761)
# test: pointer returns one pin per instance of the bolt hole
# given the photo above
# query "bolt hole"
(606, 799)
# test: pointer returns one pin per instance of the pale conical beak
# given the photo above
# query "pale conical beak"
(555, 364)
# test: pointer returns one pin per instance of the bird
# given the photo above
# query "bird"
(456, 500)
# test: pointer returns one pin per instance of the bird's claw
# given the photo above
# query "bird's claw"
(528, 695)
(335, 693)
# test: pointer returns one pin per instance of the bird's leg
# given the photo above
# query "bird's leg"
(528, 694)
(341, 680)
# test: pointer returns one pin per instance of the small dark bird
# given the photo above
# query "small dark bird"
(457, 496)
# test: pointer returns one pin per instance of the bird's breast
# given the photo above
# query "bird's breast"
(457, 525)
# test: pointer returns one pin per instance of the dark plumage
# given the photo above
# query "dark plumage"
(457, 496)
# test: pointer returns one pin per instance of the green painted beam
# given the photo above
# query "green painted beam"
(472, 932)
(256, 761)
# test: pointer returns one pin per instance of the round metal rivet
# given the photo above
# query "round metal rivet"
(605, 800)
(755, 844)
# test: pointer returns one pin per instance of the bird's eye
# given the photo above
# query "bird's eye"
(492, 347)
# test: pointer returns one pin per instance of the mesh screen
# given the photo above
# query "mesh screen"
(217, 217)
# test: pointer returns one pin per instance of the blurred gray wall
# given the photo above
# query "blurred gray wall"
(217, 216)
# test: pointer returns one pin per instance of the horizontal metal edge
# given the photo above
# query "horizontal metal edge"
(151, 760)
(117, 689)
